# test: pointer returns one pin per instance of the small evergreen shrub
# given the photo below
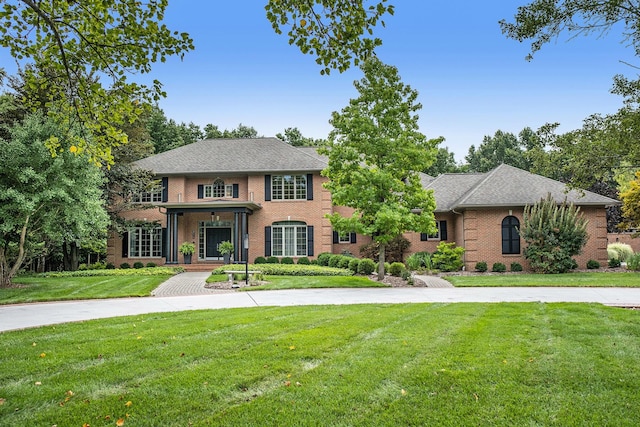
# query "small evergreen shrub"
(396, 269)
(406, 275)
(272, 260)
(633, 262)
(499, 267)
(286, 260)
(151, 265)
(592, 264)
(353, 264)
(260, 260)
(304, 261)
(97, 266)
(481, 267)
(323, 259)
(125, 265)
(448, 257)
(334, 260)
(366, 266)
(344, 261)
(110, 266)
(138, 264)
(82, 267)
(516, 266)
(614, 263)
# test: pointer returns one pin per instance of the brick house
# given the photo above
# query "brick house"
(268, 194)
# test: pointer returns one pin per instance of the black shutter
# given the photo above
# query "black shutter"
(163, 242)
(235, 191)
(200, 191)
(309, 186)
(310, 240)
(443, 230)
(423, 237)
(336, 237)
(352, 237)
(165, 189)
(267, 241)
(125, 245)
(267, 188)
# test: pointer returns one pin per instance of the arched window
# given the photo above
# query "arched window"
(218, 189)
(510, 235)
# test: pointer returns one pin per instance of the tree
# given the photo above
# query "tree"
(554, 234)
(445, 162)
(503, 147)
(375, 154)
(631, 204)
(293, 136)
(71, 43)
(335, 31)
(43, 199)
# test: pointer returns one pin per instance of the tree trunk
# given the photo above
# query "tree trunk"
(7, 273)
(70, 256)
(381, 262)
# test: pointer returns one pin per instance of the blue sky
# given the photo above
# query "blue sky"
(471, 79)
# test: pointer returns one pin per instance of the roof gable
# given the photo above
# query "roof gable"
(506, 186)
(249, 155)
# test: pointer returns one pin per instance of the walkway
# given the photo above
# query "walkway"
(190, 283)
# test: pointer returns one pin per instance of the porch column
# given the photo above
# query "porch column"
(170, 244)
(237, 239)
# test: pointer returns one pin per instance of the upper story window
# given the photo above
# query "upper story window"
(148, 197)
(218, 190)
(289, 187)
(510, 235)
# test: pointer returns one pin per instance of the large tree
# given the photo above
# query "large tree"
(375, 155)
(502, 147)
(43, 199)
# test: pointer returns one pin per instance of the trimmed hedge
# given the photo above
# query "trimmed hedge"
(293, 270)
(149, 271)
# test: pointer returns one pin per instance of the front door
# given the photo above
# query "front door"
(213, 237)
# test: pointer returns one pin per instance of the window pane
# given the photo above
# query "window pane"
(276, 241)
(134, 239)
(289, 187)
(301, 187)
(276, 187)
(301, 241)
(289, 241)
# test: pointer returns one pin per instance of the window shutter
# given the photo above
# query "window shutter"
(235, 191)
(163, 243)
(310, 240)
(309, 186)
(423, 237)
(125, 244)
(267, 241)
(336, 237)
(267, 188)
(443, 230)
(200, 191)
(352, 237)
(165, 189)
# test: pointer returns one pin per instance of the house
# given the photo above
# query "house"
(267, 198)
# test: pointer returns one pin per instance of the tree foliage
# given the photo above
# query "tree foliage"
(631, 204)
(375, 153)
(72, 45)
(444, 162)
(337, 32)
(553, 233)
(502, 147)
(294, 137)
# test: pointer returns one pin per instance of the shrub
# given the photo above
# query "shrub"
(498, 267)
(110, 266)
(353, 264)
(619, 251)
(286, 260)
(614, 263)
(304, 261)
(406, 275)
(633, 263)
(260, 260)
(323, 258)
(396, 269)
(272, 260)
(151, 265)
(419, 260)
(82, 267)
(592, 264)
(138, 264)
(553, 234)
(366, 266)
(125, 265)
(344, 261)
(516, 266)
(481, 266)
(393, 252)
(448, 257)
(293, 270)
(98, 266)
(334, 260)
(387, 266)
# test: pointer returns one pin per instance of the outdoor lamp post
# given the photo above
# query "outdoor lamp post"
(246, 258)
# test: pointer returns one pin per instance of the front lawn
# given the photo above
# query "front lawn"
(373, 365)
(306, 282)
(578, 279)
(41, 288)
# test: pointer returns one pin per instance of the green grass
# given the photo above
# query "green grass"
(367, 365)
(41, 288)
(626, 280)
(307, 282)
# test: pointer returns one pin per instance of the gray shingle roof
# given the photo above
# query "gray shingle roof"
(505, 186)
(254, 155)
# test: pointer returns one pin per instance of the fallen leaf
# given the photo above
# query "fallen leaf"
(69, 393)
(287, 383)
(43, 354)
(129, 403)
(34, 344)
(107, 417)
(2, 400)
(476, 396)
(403, 392)
(292, 347)
(86, 425)
(38, 383)
(120, 422)
(298, 384)
(139, 337)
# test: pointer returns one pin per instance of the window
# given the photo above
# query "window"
(145, 243)
(289, 238)
(289, 187)
(218, 190)
(148, 197)
(344, 238)
(440, 234)
(510, 235)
